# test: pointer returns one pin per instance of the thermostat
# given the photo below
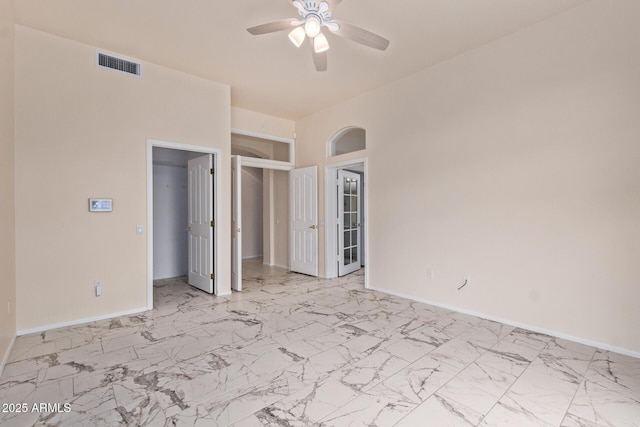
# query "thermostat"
(100, 205)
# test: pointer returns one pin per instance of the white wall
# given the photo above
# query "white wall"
(170, 219)
(7, 182)
(252, 228)
(261, 123)
(515, 163)
(65, 104)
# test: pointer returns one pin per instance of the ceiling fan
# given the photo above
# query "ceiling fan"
(314, 15)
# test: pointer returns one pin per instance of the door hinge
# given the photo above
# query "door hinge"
(213, 223)
(213, 276)
(212, 170)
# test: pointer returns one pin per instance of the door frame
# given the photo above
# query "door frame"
(236, 223)
(264, 164)
(217, 162)
(331, 207)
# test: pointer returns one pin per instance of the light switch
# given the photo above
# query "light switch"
(139, 229)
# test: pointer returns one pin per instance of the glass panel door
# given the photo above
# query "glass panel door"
(349, 222)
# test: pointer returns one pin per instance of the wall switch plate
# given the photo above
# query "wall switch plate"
(100, 205)
(139, 229)
(429, 273)
(97, 285)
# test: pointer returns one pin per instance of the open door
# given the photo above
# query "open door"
(349, 249)
(303, 199)
(236, 223)
(200, 227)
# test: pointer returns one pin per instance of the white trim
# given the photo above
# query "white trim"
(261, 135)
(272, 219)
(555, 334)
(330, 197)
(284, 267)
(5, 359)
(342, 164)
(266, 163)
(80, 321)
(217, 158)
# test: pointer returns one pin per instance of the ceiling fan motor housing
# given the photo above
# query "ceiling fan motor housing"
(319, 10)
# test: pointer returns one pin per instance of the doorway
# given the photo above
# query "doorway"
(182, 208)
(274, 213)
(346, 202)
(259, 159)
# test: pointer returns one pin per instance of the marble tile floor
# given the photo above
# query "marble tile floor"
(292, 350)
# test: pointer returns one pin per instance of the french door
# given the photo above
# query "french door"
(349, 223)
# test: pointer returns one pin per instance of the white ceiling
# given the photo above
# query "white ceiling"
(267, 73)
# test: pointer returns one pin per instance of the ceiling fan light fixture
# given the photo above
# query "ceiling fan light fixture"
(313, 16)
(320, 43)
(312, 27)
(297, 36)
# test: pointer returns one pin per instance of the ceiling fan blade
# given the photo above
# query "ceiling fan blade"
(319, 59)
(272, 27)
(362, 36)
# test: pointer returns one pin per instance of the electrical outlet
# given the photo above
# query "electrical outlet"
(97, 285)
(429, 273)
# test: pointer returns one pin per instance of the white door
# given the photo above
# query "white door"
(236, 224)
(303, 199)
(349, 229)
(200, 227)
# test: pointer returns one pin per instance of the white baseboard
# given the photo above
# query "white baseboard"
(5, 358)
(79, 321)
(285, 267)
(252, 256)
(555, 334)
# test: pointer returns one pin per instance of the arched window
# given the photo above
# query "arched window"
(347, 140)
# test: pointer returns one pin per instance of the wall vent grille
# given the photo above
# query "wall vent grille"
(119, 64)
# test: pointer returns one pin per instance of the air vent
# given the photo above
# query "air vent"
(119, 64)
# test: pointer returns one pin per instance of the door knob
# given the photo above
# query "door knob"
(189, 229)
(238, 230)
(313, 227)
